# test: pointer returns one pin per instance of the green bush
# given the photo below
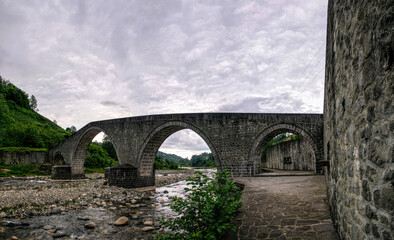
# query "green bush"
(208, 209)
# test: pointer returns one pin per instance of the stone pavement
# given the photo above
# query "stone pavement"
(285, 207)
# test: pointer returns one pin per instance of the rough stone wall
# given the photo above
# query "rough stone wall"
(16, 157)
(127, 176)
(300, 152)
(359, 121)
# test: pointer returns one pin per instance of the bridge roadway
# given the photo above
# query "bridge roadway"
(284, 207)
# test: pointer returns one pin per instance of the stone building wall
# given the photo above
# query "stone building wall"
(300, 153)
(16, 157)
(359, 121)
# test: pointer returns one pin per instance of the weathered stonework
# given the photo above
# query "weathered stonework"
(236, 140)
(61, 172)
(27, 157)
(298, 153)
(359, 120)
(127, 176)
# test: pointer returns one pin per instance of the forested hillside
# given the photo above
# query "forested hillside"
(174, 158)
(21, 125)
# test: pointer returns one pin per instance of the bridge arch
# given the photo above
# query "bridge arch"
(155, 139)
(79, 154)
(274, 130)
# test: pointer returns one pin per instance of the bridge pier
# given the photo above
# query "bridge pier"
(128, 176)
(65, 172)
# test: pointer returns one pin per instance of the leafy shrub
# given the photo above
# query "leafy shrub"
(208, 209)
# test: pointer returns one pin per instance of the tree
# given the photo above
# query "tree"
(97, 157)
(109, 147)
(33, 103)
(71, 129)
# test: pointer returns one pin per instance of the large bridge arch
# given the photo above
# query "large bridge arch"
(80, 151)
(156, 138)
(274, 130)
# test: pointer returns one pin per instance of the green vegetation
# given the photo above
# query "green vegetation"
(164, 164)
(22, 149)
(284, 137)
(203, 160)
(97, 158)
(20, 125)
(21, 170)
(180, 161)
(207, 211)
(109, 148)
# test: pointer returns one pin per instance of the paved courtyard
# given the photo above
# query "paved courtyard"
(284, 207)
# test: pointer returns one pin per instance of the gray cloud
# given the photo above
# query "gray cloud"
(109, 103)
(148, 57)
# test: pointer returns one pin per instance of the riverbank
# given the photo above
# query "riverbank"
(40, 208)
(31, 196)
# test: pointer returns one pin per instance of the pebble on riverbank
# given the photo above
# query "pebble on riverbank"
(121, 221)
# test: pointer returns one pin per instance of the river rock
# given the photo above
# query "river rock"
(83, 218)
(56, 210)
(121, 221)
(48, 227)
(14, 238)
(133, 201)
(146, 229)
(165, 191)
(59, 234)
(3, 215)
(112, 208)
(148, 223)
(2, 229)
(90, 225)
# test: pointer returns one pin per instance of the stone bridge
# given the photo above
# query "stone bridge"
(236, 141)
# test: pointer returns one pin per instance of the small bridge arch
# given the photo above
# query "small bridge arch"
(270, 132)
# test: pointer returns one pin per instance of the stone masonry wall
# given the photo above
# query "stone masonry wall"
(300, 152)
(359, 121)
(16, 157)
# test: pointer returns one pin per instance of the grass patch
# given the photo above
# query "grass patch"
(22, 170)
(94, 170)
(23, 149)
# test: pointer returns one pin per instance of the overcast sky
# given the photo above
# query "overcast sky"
(94, 60)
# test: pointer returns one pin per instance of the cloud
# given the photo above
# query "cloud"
(151, 57)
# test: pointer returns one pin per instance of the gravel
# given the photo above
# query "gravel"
(54, 197)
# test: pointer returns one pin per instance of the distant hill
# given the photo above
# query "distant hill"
(174, 158)
(21, 125)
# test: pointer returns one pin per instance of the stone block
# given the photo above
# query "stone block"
(61, 172)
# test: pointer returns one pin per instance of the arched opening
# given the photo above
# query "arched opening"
(156, 139)
(184, 148)
(302, 153)
(94, 152)
(58, 159)
(288, 151)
